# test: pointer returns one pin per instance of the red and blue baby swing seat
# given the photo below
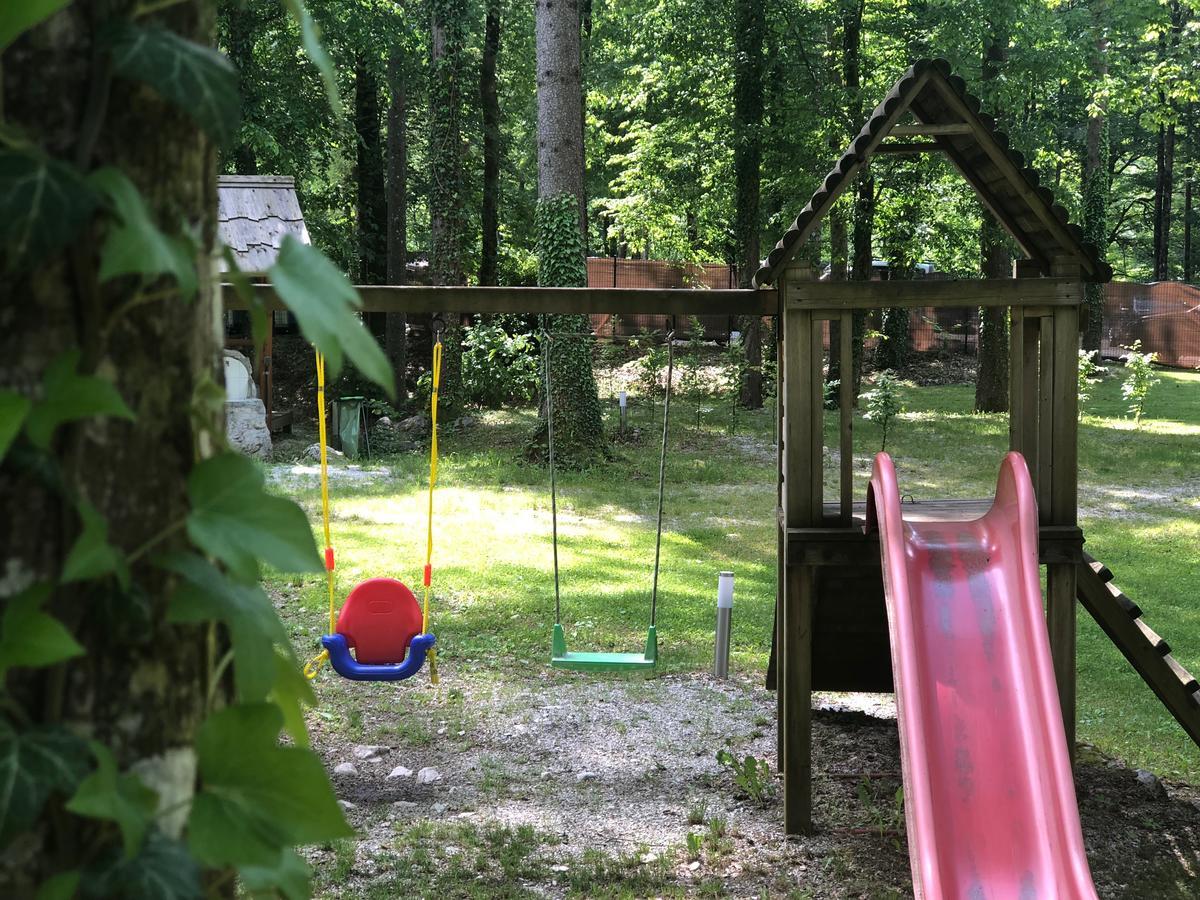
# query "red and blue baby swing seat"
(381, 622)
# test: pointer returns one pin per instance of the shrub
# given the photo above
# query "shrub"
(1139, 379)
(883, 403)
(651, 361)
(498, 367)
(1087, 376)
(751, 775)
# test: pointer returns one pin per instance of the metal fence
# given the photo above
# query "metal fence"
(609, 272)
(1164, 316)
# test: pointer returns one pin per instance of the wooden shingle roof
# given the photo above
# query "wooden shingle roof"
(1006, 186)
(254, 212)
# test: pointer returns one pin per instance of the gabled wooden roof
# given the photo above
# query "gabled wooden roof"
(1004, 183)
(254, 212)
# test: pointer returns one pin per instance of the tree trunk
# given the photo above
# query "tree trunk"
(143, 686)
(748, 34)
(1096, 184)
(396, 324)
(448, 188)
(991, 380)
(371, 206)
(864, 200)
(241, 27)
(578, 426)
(1164, 188)
(489, 99)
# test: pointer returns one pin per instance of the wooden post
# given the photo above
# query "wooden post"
(1061, 578)
(816, 405)
(846, 422)
(801, 492)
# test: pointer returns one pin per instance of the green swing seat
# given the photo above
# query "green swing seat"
(562, 658)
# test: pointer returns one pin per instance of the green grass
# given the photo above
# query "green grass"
(492, 563)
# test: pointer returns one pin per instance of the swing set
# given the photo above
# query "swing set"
(381, 620)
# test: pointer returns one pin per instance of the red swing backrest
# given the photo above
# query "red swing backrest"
(379, 618)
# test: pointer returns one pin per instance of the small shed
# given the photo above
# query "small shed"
(254, 214)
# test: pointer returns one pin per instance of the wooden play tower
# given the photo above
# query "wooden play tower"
(831, 622)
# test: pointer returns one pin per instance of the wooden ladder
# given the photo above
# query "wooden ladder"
(1148, 653)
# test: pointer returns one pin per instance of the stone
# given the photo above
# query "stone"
(399, 772)
(313, 452)
(1151, 785)
(367, 752)
(428, 775)
(385, 421)
(345, 768)
(693, 866)
(246, 427)
(439, 809)
(239, 376)
(585, 776)
(346, 804)
(416, 425)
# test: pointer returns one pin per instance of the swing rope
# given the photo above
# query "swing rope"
(662, 475)
(313, 666)
(433, 471)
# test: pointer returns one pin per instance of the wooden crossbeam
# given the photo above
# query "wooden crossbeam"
(842, 295)
(932, 129)
(550, 300)
(909, 147)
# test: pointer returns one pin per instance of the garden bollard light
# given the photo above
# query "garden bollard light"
(724, 617)
(623, 400)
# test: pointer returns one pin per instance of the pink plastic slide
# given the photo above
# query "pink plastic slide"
(988, 790)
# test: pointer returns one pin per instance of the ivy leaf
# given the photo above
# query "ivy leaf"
(93, 556)
(43, 205)
(136, 246)
(34, 764)
(13, 409)
(325, 304)
(18, 17)
(59, 887)
(236, 521)
(70, 396)
(206, 593)
(163, 869)
(197, 79)
(310, 36)
(291, 692)
(289, 877)
(117, 797)
(30, 637)
(258, 797)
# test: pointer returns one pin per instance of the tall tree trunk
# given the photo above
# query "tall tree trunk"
(1096, 184)
(489, 98)
(991, 380)
(749, 29)
(371, 206)
(142, 687)
(578, 426)
(240, 39)
(1164, 189)
(1189, 187)
(447, 177)
(396, 324)
(838, 233)
(864, 199)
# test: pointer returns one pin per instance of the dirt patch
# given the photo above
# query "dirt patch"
(628, 767)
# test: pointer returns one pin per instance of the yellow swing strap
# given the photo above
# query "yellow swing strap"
(433, 467)
(313, 666)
